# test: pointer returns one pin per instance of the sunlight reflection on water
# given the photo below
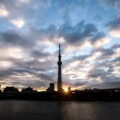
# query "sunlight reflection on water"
(37, 110)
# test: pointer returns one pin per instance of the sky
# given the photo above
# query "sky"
(89, 34)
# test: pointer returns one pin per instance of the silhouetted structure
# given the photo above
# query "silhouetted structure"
(10, 90)
(59, 82)
(28, 90)
(50, 88)
(69, 89)
(112, 94)
(0, 89)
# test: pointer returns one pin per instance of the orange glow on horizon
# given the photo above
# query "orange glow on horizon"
(66, 90)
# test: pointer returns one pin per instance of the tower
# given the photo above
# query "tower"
(59, 82)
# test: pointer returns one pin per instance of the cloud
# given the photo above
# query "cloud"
(28, 56)
(100, 68)
(78, 33)
(25, 75)
(13, 52)
(41, 64)
(114, 27)
(3, 11)
(18, 23)
(25, 12)
(107, 70)
(24, 1)
(112, 3)
(13, 38)
(5, 65)
(99, 40)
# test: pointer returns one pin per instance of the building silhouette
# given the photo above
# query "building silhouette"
(0, 89)
(59, 82)
(51, 88)
(10, 89)
(69, 89)
(28, 90)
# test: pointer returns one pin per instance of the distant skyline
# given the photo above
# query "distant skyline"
(89, 34)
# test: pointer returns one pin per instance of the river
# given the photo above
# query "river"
(39, 110)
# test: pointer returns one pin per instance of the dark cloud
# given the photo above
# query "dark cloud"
(107, 78)
(105, 70)
(98, 36)
(103, 74)
(81, 83)
(12, 38)
(112, 3)
(76, 58)
(39, 54)
(97, 73)
(18, 76)
(114, 24)
(73, 35)
(106, 85)
(107, 52)
(78, 33)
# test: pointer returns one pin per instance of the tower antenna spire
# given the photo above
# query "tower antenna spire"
(59, 49)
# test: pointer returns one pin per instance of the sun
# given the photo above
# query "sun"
(65, 90)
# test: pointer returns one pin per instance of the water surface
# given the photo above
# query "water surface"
(37, 110)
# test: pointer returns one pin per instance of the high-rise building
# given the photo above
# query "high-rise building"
(50, 88)
(59, 82)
